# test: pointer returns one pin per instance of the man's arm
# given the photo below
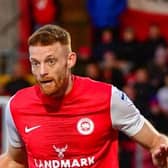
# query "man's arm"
(14, 158)
(127, 118)
(155, 142)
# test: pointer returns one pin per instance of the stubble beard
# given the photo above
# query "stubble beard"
(57, 88)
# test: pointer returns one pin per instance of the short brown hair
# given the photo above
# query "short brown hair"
(49, 34)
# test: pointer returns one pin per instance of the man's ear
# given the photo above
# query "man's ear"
(72, 57)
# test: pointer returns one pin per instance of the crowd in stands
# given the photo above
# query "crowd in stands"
(19, 78)
(140, 68)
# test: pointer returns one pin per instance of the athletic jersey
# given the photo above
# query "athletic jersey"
(80, 130)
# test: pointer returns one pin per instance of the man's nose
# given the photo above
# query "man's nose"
(43, 70)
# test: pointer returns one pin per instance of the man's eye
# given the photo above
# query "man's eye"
(34, 63)
(51, 62)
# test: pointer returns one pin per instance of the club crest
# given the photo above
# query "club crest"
(85, 126)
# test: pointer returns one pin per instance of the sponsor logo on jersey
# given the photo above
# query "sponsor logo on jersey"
(85, 126)
(64, 163)
(67, 163)
(60, 151)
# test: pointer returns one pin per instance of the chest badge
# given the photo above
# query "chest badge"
(85, 126)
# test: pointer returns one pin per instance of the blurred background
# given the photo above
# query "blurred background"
(122, 42)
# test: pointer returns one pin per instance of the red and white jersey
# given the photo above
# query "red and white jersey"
(80, 130)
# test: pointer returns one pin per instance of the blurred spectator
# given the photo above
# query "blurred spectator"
(110, 71)
(109, 60)
(45, 12)
(17, 81)
(33, 14)
(129, 49)
(105, 14)
(4, 78)
(106, 43)
(160, 107)
(162, 96)
(144, 91)
(152, 42)
(158, 66)
(93, 70)
(84, 57)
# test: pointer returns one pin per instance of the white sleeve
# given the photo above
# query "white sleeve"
(13, 136)
(125, 116)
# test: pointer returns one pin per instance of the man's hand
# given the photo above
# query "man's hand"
(155, 142)
(160, 156)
